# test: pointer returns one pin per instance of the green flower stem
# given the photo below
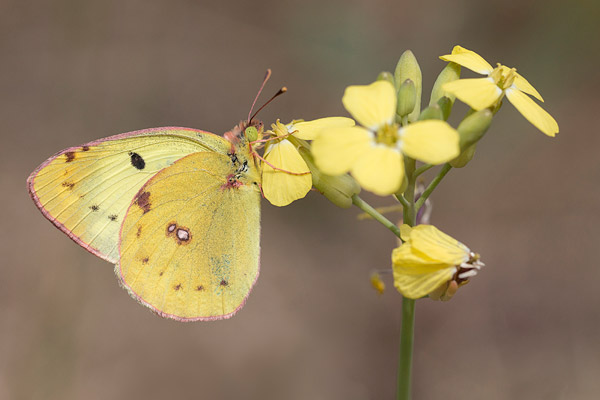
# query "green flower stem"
(409, 194)
(363, 205)
(432, 185)
(402, 200)
(406, 348)
(423, 168)
(408, 305)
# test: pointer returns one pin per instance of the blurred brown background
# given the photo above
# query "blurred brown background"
(526, 328)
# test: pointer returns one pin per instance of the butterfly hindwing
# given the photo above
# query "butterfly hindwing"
(190, 240)
(85, 191)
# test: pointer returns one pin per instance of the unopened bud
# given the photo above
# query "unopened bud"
(386, 76)
(337, 189)
(445, 105)
(431, 112)
(450, 73)
(464, 157)
(408, 68)
(407, 98)
(473, 127)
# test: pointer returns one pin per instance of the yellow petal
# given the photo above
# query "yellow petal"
(532, 112)
(524, 86)
(417, 286)
(309, 130)
(335, 150)
(407, 260)
(405, 231)
(279, 187)
(468, 59)
(478, 93)
(371, 105)
(438, 245)
(430, 141)
(380, 169)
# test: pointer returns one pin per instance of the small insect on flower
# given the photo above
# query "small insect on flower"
(429, 262)
(480, 93)
(285, 175)
(374, 152)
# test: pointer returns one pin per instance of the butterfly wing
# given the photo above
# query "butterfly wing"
(190, 240)
(85, 191)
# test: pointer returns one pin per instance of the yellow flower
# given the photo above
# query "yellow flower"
(480, 93)
(291, 179)
(429, 259)
(374, 152)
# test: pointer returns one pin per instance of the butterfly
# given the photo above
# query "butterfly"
(177, 210)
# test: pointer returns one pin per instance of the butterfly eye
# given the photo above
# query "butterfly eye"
(251, 133)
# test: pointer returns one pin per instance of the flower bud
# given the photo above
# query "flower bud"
(337, 189)
(472, 128)
(431, 112)
(386, 76)
(464, 157)
(407, 98)
(446, 106)
(408, 68)
(450, 73)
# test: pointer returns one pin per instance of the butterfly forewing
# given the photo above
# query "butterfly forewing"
(190, 241)
(85, 191)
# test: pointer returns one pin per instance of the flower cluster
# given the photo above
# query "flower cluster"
(379, 149)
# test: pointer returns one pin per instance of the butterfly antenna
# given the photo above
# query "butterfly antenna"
(279, 92)
(266, 78)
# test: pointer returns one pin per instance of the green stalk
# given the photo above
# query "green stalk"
(406, 348)
(408, 305)
(363, 205)
(432, 185)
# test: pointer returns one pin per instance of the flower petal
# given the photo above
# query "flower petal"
(417, 286)
(309, 130)
(430, 141)
(478, 93)
(279, 187)
(525, 87)
(408, 260)
(468, 59)
(335, 150)
(532, 112)
(405, 231)
(380, 169)
(438, 245)
(371, 105)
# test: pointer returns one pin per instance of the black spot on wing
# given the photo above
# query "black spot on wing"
(143, 201)
(94, 207)
(113, 217)
(68, 185)
(70, 155)
(137, 160)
